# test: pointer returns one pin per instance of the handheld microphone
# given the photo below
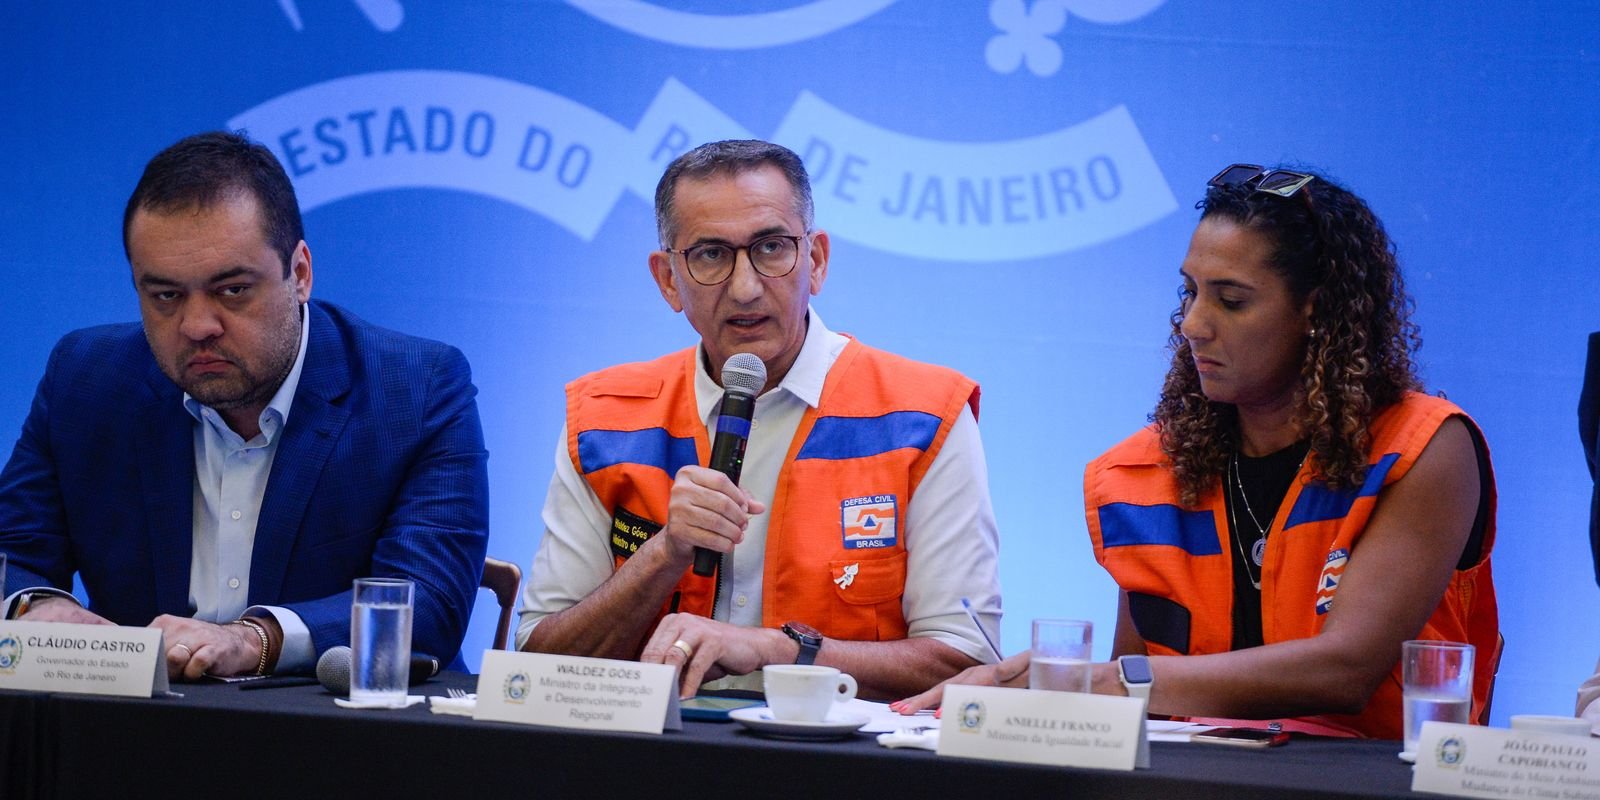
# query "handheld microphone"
(333, 669)
(742, 378)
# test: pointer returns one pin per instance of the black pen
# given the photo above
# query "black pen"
(274, 683)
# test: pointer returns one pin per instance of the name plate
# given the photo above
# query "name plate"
(82, 659)
(1474, 761)
(1069, 729)
(597, 694)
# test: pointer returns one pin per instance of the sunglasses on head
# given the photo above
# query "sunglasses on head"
(1280, 182)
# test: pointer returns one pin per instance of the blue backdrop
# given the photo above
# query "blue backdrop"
(1009, 185)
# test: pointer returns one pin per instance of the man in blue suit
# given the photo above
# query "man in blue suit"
(224, 471)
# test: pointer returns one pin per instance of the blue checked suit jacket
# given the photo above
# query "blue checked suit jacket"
(381, 471)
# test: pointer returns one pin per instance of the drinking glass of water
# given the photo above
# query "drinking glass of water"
(1437, 684)
(380, 641)
(1059, 660)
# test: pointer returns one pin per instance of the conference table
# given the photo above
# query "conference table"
(218, 741)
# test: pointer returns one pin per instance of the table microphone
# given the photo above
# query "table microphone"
(333, 669)
(742, 378)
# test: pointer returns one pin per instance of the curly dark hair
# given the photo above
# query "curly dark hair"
(1328, 246)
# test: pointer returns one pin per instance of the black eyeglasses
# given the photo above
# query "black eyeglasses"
(711, 263)
(1280, 182)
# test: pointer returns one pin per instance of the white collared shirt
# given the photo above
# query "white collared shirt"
(950, 533)
(230, 481)
(772, 427)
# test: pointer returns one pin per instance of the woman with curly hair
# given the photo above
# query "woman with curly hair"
(1298, 508)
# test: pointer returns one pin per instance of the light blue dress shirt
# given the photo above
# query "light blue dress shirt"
(230, 480)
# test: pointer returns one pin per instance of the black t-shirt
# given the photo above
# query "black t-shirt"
(1266, 481)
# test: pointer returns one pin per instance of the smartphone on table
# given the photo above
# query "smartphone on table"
(714, 708)
(1242, 737)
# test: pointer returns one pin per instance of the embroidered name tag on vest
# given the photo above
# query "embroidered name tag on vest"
(869, 522)
(629, 532)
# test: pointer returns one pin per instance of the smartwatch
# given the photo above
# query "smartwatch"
(1136, 675)
(809, 639)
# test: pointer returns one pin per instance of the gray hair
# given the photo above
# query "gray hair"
(730, 157)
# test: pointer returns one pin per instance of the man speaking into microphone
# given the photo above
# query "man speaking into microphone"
(861, 514)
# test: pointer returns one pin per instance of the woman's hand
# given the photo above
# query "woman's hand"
(1011, 672)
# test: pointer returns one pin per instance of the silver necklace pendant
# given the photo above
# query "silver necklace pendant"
(1233, 528)
(1258, 551)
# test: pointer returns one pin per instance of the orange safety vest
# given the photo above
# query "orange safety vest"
(1176, 563)
(836, 550)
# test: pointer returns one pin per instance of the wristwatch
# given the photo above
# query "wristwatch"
(1136, 675)
(809, 639)
(23, 601)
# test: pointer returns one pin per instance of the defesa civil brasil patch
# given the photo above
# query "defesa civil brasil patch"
(869, 522)
(1328, 582)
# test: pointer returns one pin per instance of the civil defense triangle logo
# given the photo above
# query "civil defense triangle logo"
(869, 522)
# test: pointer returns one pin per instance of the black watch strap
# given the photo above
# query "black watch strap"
(809, 639)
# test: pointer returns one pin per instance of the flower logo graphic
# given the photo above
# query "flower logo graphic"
(1026, 38)
(1026, 30)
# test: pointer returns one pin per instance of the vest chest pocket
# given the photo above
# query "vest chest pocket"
(870, 592)
(865, 581)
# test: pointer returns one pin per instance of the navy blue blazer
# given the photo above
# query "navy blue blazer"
(381, 471)
(1589, 432)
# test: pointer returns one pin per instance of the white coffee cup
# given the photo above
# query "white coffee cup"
(805, 692)
(1546, 723)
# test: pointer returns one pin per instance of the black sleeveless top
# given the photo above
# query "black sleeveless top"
(1266, 481)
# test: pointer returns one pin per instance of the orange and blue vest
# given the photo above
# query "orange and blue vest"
(1175, 563)
(836, 545)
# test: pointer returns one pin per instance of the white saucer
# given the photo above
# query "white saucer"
(838, 725)
(1408, 756)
